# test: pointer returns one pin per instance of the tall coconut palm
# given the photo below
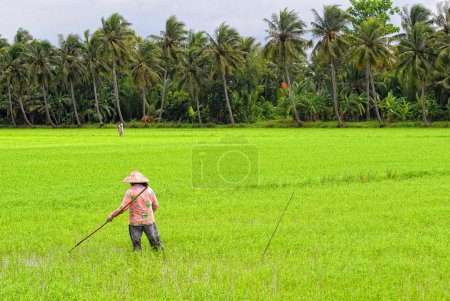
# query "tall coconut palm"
(115, 37)
(94, 63)
(416, 14)
(442, 18)
(415, 55)
(6, 68)
(41, 59)
(285, 45)
(144, 70)
(23, 37)
(329, 29)
(3, 42)
(15, 74)
(170, 40)
(441, 41)
(442, 36)
(71, 65)
(192, 69)
(223, 49)
(371, 50)
(248, 76)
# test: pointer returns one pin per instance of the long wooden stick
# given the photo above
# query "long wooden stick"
(281, 217)
(132, 199)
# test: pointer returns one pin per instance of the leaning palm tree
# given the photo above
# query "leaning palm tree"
(371, 50)
(223, 49)
(143, 70)
(170, 41)
(192, 69)
(41, 60)
(94, 64)
(329, 29)
(285, 45)
(115, 36)
(415, 54)
(71, 65)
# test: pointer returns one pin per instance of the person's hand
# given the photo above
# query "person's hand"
(110, 218)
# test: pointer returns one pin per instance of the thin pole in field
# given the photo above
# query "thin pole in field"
(281, 217)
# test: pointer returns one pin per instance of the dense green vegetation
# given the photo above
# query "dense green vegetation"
(368, 221)
(360, 67)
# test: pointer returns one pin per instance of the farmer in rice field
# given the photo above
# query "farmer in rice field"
(141, 218)
(120, 128)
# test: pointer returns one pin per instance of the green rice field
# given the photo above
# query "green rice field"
(369, 219)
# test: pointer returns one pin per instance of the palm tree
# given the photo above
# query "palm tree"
(23, 37)
(416, 14)
(285, 45)
(115, 36)
(192, 71)
(248, 77)
(3, 42)
(442, 18)
(94, 63)
(441, 70)
(15, 70)
(223, 49)
(328, 28)
(170, 40)
(371, 50)
(5, 73)
(71, 64)
(143, 70)
(41, 58)
(17, 76)
(415, 53)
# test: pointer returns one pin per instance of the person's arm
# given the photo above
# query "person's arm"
(155, 204)
(123, 207)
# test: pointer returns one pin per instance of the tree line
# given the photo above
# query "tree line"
(358, 66)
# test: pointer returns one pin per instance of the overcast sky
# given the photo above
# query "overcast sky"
(45, 19)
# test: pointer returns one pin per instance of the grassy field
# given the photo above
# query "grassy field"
(370, 218)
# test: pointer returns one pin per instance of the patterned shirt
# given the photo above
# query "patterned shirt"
(141, 209)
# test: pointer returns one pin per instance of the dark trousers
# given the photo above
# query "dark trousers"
(150, 231)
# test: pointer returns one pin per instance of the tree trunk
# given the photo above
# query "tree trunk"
(333, 80)
(47, 110)
(424, 109)
(143, 106)
(100, 119)
(163, 96)
(374, 95)
(74, 104)
(226, 97)
(116, 91)
(367, 93)
(198, 110)
(294, 107)
(23, 112)
(11, 107)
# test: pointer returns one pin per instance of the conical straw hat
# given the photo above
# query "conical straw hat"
(135, 177)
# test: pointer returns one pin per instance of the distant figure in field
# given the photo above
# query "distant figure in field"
(142, 207)
(120, 128)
